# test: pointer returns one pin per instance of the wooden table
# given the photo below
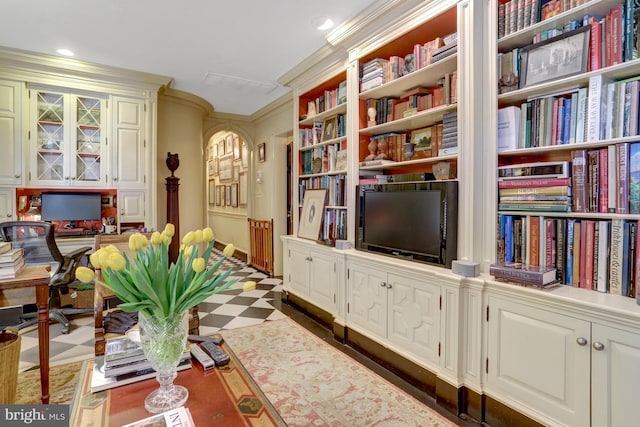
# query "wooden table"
(38, 277)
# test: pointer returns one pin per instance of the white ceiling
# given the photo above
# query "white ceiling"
(230, 53)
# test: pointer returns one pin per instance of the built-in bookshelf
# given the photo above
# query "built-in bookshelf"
(322, 152)
(586, 117)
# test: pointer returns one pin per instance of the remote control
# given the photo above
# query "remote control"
(202, 357)
(215, 338)
(217, 354)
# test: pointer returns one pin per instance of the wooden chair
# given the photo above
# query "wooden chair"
(105, 300)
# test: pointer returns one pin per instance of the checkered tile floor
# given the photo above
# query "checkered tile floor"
(230, 309)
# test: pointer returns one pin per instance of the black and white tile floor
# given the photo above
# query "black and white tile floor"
(230, 309)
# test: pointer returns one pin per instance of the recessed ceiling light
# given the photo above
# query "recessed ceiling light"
(65, 52)
(324, 24)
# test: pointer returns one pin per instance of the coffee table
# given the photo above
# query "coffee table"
(225, 396)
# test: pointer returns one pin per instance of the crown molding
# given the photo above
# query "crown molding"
(186, 98)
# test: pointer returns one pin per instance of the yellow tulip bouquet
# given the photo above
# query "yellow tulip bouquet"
(148, 283)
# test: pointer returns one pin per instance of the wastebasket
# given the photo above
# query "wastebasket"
(9, 363)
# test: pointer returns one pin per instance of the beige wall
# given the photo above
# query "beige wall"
(180, 119)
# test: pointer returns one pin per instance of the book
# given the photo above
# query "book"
(11, 255)
(634, 178)
(560, 169)
(99, 382)
(12, 270)
(616, 255)
(508, 128)
(534, 182)
(523, 273)
(179, 417)
(602, 280)
(140, 365)
(5, 247)
(622, 155)
(559, 190)
(122, 350)
(579, 180)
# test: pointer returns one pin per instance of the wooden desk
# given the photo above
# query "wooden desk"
(38, 277)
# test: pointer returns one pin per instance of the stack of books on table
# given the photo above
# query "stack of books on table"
(11, 260)
(124, 362)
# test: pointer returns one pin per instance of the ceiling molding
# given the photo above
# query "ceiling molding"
(186, 98)
(50, 69)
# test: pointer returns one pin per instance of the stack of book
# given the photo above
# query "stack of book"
(124, 362)
(536, 187)
(524, 274)
(449, 144)
(11, 260)
(374, 73)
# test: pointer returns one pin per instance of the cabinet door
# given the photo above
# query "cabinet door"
(49, 139)
(322, 279)
(298, 270)
(86, 165)
(536, 360)
(131, 206)
(7, 202)
(129, 142)
(615, 375)
(414, 316)
(11, 141)
(367, 299)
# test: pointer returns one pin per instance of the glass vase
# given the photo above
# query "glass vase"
(163, 341)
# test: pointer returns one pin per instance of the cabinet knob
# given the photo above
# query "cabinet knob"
(17, 175)
(8, 215)
(383, 285)
(581, 341)
(389, 286)
(115, 178)
(307, 258)
(598, 346)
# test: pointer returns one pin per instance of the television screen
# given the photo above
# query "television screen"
(71, 206)
(407, 220)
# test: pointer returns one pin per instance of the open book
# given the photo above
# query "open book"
(175, 417)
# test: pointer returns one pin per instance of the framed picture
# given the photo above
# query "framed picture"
(219, 190)
(234, 195)
(329, 128)
(226, 168)
(236, 147)
(236, 172)
(227, 195)
(210, 167)
(422, 139)
(221, 148)
(312, 213)
(262, 152)
(105, 201)
(214, 150)
(228, 144)
(556, 58)
(212, 192)
(244, 157)
(242, 189)
(216, 166)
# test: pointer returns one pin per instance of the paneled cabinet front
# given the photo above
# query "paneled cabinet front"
(68, 139)
(7, 204)
(131, 206)
(402, 309)
(311, 274)
(11, 133)
(129, 146)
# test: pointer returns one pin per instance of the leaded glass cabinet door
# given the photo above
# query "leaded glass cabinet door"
(50, 138)
(88, 140)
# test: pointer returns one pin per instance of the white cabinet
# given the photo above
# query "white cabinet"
(403, 309)
(68, 139)
(560, 368)
(7, 204)
(11, 135)
(131, 206)
(128, 150)
(311, 273)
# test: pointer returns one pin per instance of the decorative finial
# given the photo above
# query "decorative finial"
(172, 162)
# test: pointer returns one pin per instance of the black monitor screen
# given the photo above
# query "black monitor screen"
(405, 220)
(71, 206)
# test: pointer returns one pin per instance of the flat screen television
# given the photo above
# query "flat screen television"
(411, 220)
(71, 206)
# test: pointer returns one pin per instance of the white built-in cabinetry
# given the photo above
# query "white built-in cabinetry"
(11, 136)
(128, 148)
(7, 204)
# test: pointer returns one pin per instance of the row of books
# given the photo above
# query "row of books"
(335, 185)
(449, 130)
(11, 260)
(324, 159)
(331, 98)
(515, 15)
(334, 226)
(379, 71)
(600, 255)
(320, 132)
(602, 111)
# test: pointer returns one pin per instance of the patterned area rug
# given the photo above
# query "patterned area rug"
(62, 384)
(311, 383)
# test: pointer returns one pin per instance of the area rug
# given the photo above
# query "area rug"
(311, 383)
(62, 384)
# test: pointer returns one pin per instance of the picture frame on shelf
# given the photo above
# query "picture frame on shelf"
(329, 128)
(312, 213)
(228, 144)
(422, 139)
(106, 201)
(262, 152)
(221, 148)
(242, 189)
(236, 147)
(234, 195)
(556, 58)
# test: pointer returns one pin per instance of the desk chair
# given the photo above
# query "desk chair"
(38, 241)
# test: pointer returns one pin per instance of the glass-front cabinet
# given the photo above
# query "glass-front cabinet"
(67, 139)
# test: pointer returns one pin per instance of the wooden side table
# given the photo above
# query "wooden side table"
(38, 277)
